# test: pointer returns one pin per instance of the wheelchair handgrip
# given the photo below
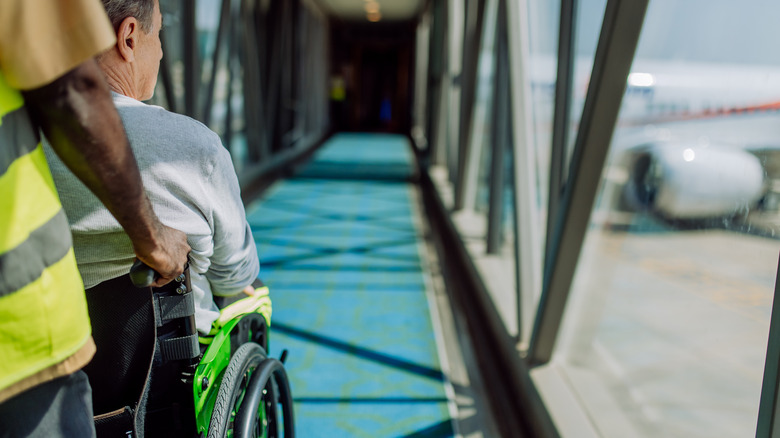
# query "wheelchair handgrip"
(141, 274)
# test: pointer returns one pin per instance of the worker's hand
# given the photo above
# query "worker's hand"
(165, 252)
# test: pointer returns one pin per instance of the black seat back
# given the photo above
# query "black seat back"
(147, 352)
(124, 329)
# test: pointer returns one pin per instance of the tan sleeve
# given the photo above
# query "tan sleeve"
(40, 40)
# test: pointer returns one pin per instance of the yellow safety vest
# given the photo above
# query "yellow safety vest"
(43, 310)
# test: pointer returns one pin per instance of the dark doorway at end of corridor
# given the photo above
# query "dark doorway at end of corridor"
(371, 78)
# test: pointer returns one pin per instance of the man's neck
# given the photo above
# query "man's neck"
(119, 77)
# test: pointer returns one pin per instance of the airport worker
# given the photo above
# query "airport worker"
(188, 175)
(49, 80)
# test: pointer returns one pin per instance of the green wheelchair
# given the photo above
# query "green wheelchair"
(154, 376)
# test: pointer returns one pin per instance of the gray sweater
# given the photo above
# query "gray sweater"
(190, 180)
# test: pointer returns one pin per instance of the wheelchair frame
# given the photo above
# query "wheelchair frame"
(229, 387)
(237, 354)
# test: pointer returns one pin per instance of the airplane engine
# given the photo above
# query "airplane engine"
(680, 181)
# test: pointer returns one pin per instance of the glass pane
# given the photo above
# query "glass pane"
(543, 24)
(483, 105)
(312, 88)
(207, 16)
(543, 38)
(172, 54)
(498, 268)
(666, 330)
(227, 108)
(590, 14)
(207, 38)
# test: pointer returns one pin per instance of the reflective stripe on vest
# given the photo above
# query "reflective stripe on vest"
(43, 311)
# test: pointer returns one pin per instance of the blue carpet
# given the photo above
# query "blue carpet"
(339, 251)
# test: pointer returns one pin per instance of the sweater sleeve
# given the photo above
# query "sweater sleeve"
(234, 263)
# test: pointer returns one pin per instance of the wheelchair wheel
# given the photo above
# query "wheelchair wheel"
(233, 388)
(267, 389)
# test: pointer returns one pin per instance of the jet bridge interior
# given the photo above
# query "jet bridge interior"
(504, 218)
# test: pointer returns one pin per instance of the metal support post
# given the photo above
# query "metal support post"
(614, 55)
(563, 98)
(769, 409)
(499, 138)
(472, 41)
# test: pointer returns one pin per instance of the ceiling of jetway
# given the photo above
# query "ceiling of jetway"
(372, 10)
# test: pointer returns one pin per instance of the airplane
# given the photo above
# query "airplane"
(694, 141)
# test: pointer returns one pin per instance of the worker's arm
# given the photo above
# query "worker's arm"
(80, 121)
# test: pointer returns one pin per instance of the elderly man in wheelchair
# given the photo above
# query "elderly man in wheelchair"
(155, 375)
(170, 362)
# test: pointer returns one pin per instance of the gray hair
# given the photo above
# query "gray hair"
(142, 10)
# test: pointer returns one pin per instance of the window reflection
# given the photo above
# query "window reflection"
(666, 329)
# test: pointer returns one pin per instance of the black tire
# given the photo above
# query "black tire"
(232, 388)
(267, 388)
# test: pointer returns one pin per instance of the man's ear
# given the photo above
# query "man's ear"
(127, 38)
